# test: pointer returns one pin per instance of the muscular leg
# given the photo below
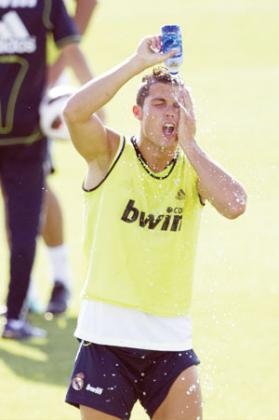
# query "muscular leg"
(52, 233)
(183, 401)
(88, 413)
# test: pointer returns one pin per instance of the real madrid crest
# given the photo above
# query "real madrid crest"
(78, 381)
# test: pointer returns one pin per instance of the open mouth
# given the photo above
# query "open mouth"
(168, 129)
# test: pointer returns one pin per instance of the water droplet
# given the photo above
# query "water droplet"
(191, 389)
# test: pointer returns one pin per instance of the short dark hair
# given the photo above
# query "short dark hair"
(159, 75)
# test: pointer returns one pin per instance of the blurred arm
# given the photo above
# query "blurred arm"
(83, 13)
(74, 58)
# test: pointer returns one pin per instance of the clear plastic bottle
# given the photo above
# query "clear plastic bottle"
(171, 38)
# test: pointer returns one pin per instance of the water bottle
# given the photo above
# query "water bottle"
(171, 38)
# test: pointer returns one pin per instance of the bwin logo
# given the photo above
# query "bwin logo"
(172, 221)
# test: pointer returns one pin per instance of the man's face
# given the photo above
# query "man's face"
(159, 115)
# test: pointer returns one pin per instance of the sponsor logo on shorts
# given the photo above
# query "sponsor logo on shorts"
(95, 390)
(78, 381)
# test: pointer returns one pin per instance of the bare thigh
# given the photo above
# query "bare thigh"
(183, 401)
(88, 413)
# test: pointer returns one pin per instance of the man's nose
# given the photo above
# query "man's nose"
(170, 111)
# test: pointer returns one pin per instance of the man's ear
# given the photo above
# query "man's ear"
(137, 111)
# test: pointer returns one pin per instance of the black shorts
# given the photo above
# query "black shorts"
(111, 379)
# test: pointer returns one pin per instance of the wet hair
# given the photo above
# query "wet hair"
(159, 75)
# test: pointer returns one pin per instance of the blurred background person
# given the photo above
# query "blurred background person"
(23, 79)
(53, 225)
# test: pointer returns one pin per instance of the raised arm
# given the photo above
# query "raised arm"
(214, 184)
(90, 137)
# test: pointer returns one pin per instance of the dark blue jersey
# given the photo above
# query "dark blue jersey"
(24, 26)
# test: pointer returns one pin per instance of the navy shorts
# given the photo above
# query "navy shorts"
(111, 379)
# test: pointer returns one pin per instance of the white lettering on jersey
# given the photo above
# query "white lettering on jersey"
(18, 3)
(14, 36)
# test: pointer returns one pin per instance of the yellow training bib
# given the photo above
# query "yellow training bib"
(141, 232)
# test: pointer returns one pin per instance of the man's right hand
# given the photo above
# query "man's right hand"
(149, 51)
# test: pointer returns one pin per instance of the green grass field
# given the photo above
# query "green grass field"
(231, 63)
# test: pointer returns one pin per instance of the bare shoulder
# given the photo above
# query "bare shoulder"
(99, 168)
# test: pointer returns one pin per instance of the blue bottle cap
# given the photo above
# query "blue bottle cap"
(170, 28)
